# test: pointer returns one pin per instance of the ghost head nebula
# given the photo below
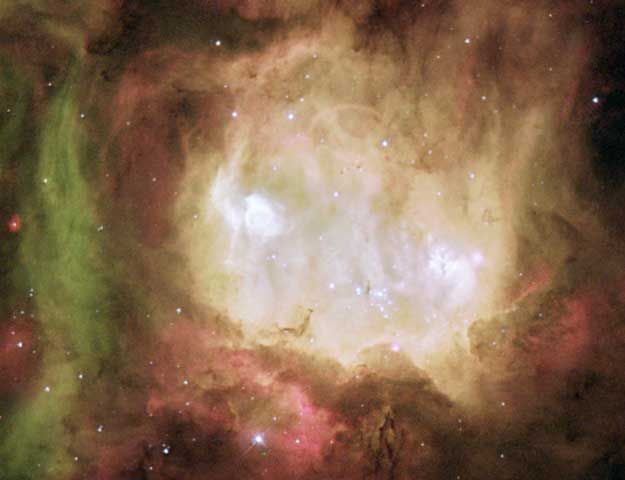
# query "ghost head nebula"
(351, 239)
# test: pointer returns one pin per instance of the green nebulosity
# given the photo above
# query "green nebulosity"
(61, 251)
(15, 92)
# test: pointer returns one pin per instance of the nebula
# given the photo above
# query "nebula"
(309, 239)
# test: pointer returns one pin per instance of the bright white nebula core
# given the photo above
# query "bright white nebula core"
(320, 261)
(346, 225)
(315, 253)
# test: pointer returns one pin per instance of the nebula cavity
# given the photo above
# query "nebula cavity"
(339, 214)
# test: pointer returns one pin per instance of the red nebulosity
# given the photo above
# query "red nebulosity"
(311, 430)
(567, 349)
(247, 392)
(466, 85)
(14, 224)
(572, 98)
(145, 178)
(621, 292)
(148, 123)
(17, 361)
(224, 398)
(531, 282)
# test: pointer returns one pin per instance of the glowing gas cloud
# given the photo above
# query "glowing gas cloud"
(350, 239)
(353, 202)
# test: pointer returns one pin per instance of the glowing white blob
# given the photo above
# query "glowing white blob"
(452, 275)
(477, 258)
(364, 278)
(317, 233)
(262, 217)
